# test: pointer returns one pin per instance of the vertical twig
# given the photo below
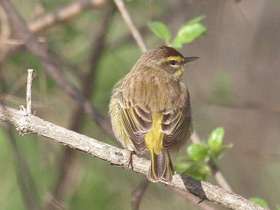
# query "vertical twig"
(138, 38)
(222, 180)
(29, 91)
(138, 194)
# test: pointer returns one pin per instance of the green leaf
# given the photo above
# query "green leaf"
(161, 30)
(259, 201)
(176, 45)
(216, 138)
(189, 32)
(197, 152)
(197, 170)
(196, 20)
(181, 167)
(183, 158)
(217, 154)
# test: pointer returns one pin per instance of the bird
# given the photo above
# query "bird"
(150, 109)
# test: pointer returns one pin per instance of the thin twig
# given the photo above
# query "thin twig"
(121, 6)
(204, 190)
(29, 91)
(138, 193)
(222, 180)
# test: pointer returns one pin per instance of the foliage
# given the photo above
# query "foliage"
(262, 202)
(211, 151)
(259, 201)
(186, 34)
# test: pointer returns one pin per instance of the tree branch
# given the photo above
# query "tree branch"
(66, 13)
(204, 190)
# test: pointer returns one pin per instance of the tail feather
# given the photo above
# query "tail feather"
(161, 167)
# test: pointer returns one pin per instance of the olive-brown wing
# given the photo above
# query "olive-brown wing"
(176, 126)
(136, 122)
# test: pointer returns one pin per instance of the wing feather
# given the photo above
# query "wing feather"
(133, 123)
(176, 125)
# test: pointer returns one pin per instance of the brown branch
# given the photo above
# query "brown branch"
(45, 59)
(204, 190)
(121, 6)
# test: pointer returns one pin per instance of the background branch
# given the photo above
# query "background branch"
(64, 14)
(47, 62)
(61, 15)
(138, 193)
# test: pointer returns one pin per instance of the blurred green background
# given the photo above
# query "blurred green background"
(235, 84)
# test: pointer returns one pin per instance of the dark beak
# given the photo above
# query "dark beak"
(189, 59)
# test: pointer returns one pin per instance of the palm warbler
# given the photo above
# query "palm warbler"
(150, 109)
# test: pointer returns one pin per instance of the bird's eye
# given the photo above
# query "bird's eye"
(172, 62)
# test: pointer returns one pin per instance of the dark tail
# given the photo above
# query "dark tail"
(161, 167)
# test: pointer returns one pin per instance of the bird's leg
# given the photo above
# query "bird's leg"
(129, 154)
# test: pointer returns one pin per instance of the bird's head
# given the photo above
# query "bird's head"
(167, 59)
